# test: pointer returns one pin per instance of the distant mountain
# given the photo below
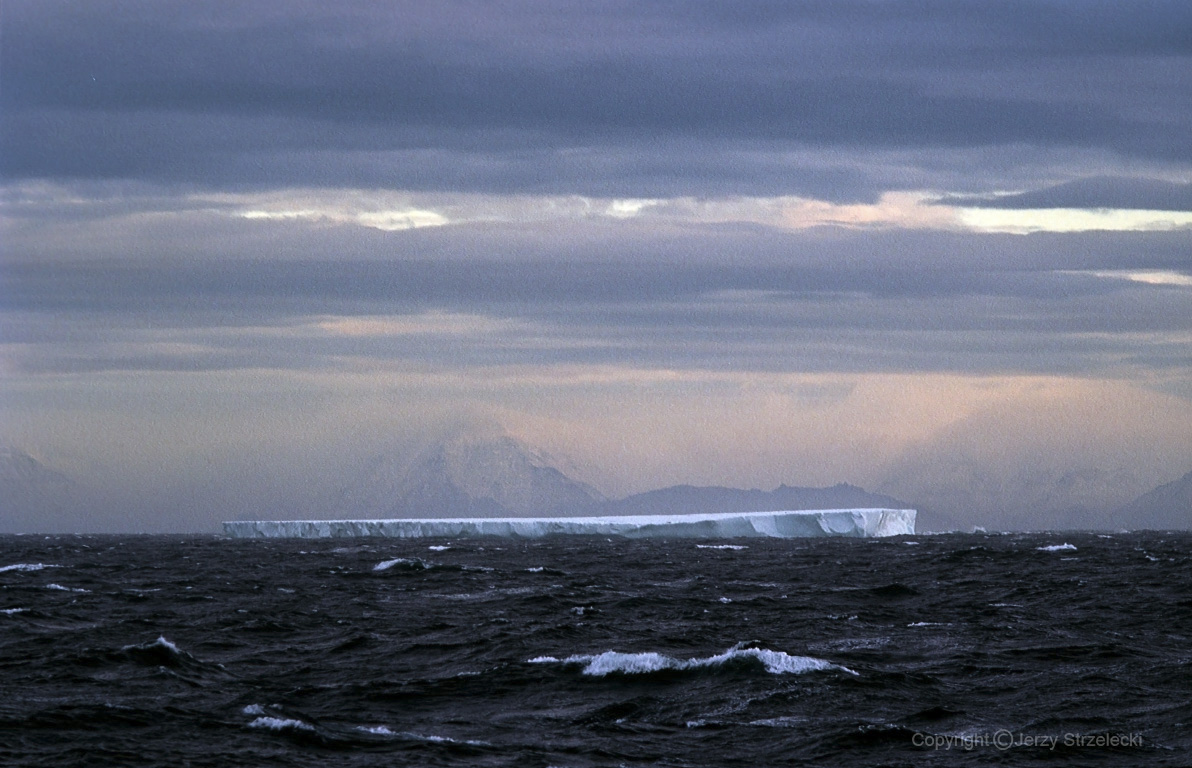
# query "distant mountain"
(468, 476)
(687, 499)
(498, 476)
(1168, 507)
(36, 498)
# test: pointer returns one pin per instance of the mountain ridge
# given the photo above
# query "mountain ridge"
(503, 477)
(1167, 507)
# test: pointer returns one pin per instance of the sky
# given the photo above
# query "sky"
(941, 250)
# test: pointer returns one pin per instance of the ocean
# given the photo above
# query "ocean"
(975, 649)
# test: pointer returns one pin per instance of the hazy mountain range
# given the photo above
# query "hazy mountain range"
(500, 476)
(34, 497)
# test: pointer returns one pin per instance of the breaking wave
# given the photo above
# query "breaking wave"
(618, 663)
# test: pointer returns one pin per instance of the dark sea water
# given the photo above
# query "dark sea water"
(927, 650)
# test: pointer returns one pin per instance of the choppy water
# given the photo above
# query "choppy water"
(931, 650)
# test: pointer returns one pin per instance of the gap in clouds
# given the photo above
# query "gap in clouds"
(396, 210)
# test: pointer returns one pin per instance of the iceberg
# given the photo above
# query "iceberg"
(857, 523)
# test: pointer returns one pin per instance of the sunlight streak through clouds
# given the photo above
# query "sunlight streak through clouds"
(893, 210)
(400, 210)
(1071, 220)
(1150, 277)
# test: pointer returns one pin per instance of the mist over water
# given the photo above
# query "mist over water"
(583, 651)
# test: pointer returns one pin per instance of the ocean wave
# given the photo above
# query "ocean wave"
(281, 724)
(61, 588)
(1057, 548)
(418, 564)
(618, 663)
(26, 567)
(721, 546)
(381, 730)
(163, 653)
(405, 563)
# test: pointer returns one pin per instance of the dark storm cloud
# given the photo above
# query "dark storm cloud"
(795, 303)
(580, 263)
(490, 96)
(1099, 192)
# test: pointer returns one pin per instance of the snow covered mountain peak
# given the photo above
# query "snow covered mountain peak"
(467, 475)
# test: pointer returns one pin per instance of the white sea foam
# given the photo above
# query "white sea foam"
(26, 567)
(721, 546)
(1057, 548)
(253, 709)
(281, 724)
(438, 548)
(381, 730)
(61, 588)
(788, 721)
(616, 662)
(387, 564)
(536, 569)
(11, 611)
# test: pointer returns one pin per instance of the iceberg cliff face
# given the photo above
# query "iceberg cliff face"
(802, 524)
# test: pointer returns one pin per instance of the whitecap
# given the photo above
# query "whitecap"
(381, 730)
(11, 611)
(438, 548)
(1057, 548)
(160, 642)
(61, 588)
(536, 569)
(616, 662)
(281, 724)
(444, 739)
(787, 721)
(253, 709)
(721, 546)
(385, 565)
(26, 567)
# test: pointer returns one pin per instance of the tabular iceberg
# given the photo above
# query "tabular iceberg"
(857, 523)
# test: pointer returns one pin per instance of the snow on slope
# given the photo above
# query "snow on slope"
(469, 475)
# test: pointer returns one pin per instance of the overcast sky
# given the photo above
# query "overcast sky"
(937, 249)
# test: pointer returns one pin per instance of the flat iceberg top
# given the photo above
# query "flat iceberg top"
(778, 524)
